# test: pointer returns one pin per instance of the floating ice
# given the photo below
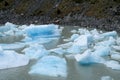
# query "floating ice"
(109, 42)
(115, 56)
(113, 64)
(35, 51)
(87, 58)
(10, 59)
(116, 48)
(58, 51)
(13, 46)
(109, 34)
(8, 26)
(80, 44)
(35, 31)
(106, 78)
(74, 36)
(50, 66)
(66, 45)
(102, 50)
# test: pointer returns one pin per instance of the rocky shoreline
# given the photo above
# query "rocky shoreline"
(98, 14)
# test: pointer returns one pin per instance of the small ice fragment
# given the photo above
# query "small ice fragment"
(115, 56)
(116, 48)
(73, 31)
(113, 64)
(74, 36)
(109, 34)
(58, 51)
(106, 78)
(35, 51)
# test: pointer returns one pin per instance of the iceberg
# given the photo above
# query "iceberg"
(35, 51)
(87, 58)
(11, 59)
(109, 34)
(40, 31)
(80, 44)
(112, 64)
(50, 66)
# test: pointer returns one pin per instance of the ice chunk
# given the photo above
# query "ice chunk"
(116, 48)
(87, 58)
(80, 44)
(109, 34)
(35, 31)
(8, 26)
(10, 59)
(83, 31)
(118, 41)
(102, 50)
(58, 51)
(14, 46)
(50, 66)
(109, 42)
(115, 56)
(113, 64)
(106, 78)
(35, 51)
(73, 31)
(74, 36)
(66, 45)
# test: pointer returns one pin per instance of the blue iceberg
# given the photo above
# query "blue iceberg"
(35, 31)
(50, 66)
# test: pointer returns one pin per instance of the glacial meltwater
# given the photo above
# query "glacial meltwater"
(75, 71)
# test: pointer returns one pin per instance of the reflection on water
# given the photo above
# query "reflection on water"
(75, 70)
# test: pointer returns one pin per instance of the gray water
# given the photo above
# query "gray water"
(75, 70)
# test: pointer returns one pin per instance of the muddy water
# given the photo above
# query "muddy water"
(75, 70)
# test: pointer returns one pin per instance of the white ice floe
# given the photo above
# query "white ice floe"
(8, 26)
(113, 64)
(88, 58)
(80, 44)
(36, 31)
(116, 48)
(74, 36)
(109, 42)
(35, 51)
(10, 59)
(66, 45)
(13, 46)
(50, 66)
(115, 56)
(101, 51)
(109, 34)
(58, 51)
(106, 78)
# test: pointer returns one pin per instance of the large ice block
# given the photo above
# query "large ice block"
(50, 66)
